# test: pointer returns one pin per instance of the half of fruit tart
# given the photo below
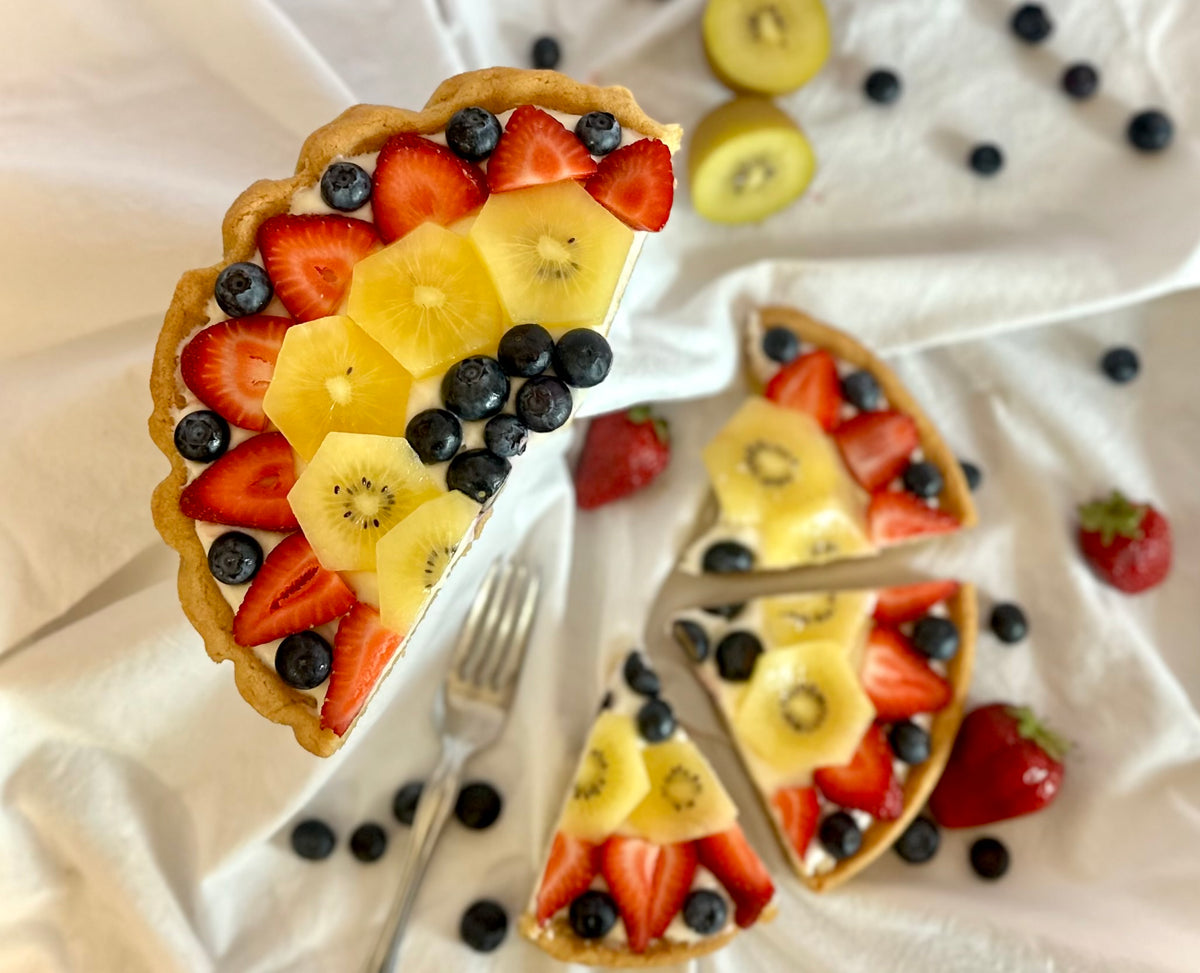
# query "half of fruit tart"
(832, 459)
(843, 706)
(344, 394)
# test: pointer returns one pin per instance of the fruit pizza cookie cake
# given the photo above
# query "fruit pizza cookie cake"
(648, 865)
(342, 396)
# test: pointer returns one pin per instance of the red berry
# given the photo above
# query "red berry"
(876, 446)
(868, 783)
(809, 384)
(362, 649)
(247, 487)
(623, 452)
(898, 679)
(230, 364)
(1128, 545)
(535, 149)
(636, 184)
(418, 181)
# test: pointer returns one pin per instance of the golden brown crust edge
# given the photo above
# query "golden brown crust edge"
(362, 128)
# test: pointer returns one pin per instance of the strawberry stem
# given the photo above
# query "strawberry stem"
(1029, 727)
(640, 414)
(1113, 517)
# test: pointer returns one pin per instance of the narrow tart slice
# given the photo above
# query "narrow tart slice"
(648, 865)
(843, 706)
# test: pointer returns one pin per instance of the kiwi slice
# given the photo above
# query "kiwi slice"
(686, 800)
(765, 46)
(839, 616)
(610, 781)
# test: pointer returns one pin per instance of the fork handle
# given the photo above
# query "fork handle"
(437, 801)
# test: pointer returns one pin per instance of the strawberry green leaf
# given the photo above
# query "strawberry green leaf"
(1113, 517)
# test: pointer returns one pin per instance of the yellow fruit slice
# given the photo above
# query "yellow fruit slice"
(747, 160)
(766, 46)
(686, 800)
(413, 556)
(331, 377)
(834, 616)
(355, 490)
(610, 781)
(427, 299)
(554, 253)
(822, 530)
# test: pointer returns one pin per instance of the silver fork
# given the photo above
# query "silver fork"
(470, 711)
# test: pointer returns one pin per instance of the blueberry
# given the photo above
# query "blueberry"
(234, 557)
(909, 742)
(313, 839)
(303, 660)
(919, 841)
(434, 435)
(640, 677)
(1031, 23)
(404, 804)
(484, 925)
(1080, 81)
(728, 612)
(1008, 623)
(936, 637)
(473, 133)
(1120, 364)
(862, 391)
(505, 435)
(478, 473)
(599, 132)
(737, 654)
(986, 159)
(525, 350)
(989, 858)
(545, 53)
(780, 344)
(544, 403)
(582, 358)
(728, 557)
(368, 842)
(202, 436)
(691, 638)
(923, 479)
(704, 911)
(882, 86)
(475, 388)
(242, 289)
(478, 805)
(345, 186)
(840, 835)
(973, 474)
(655, 721)
(1150, 131)
(593, 914)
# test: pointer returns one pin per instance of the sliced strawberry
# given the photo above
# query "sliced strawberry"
(572, 866)
(868, 783)
(636, 184)
(728, 855)
(229, 366)
(629, 865)
(809, 384)
(247, 487)
(895, 516)
(800, 811)
(362, 649)
(536, 148)
(673, 876)
(310, 259)
(909, 602)
(290, 593)
(898, 680)
(418, 181)
(876, 446)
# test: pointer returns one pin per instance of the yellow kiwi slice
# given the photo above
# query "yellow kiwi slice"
(825, 529)
(834, 616)
(611, 780)
(686, 800)
(765, 46)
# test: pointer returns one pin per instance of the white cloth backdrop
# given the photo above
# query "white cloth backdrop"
(144, 809)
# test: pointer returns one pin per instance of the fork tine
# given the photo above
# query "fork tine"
(468, 635)
(510, 668)
(506, 627)
(485, 637)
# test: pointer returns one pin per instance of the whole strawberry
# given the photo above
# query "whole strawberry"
(1127, 544)
(1004, 764)
(623, 452)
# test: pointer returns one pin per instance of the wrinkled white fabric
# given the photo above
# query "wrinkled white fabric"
(145, 809)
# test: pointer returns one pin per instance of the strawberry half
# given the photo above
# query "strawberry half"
(629, 865)
(310, 259)
(673, 874)
(570, 870)
(800, 810)
(362, 649)
(898, 680)
(623, 452)
(809, 384)
(868, 783)
(418, 181)
(728, 855)
(636, 184)
(290, 593)
(895, 516)
(247, 487)
(909, 602)
(876, 446)
(1127, 544)
(535, 149)
(229, 366)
